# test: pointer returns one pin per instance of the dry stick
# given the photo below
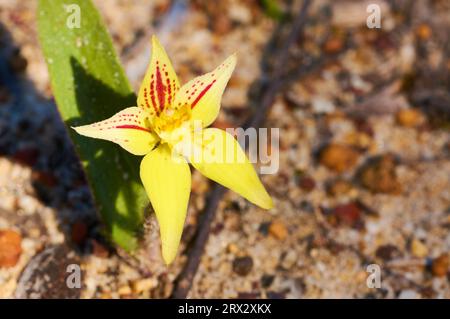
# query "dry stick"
(184, 280)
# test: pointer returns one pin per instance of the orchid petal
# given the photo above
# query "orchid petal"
(218, 156)
(160, 82)
(167, 181)
(127, 128)
(204, 93)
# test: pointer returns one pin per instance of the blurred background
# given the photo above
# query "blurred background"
(364, 118)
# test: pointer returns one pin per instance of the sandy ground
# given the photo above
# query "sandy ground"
(364, 169)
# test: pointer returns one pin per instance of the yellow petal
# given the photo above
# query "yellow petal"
(127, 128)
(204, 93)
(221, 158)
(160, 82)
(167, 181)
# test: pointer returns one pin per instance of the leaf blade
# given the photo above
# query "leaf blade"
(89, 85)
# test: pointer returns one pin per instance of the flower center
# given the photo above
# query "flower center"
(173, 124)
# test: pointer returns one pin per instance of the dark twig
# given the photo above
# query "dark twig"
(184, 280)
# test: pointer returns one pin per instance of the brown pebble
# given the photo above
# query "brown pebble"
(423, 31)
(17, 62)
(387, 252)
(278, 230)
(221, 25)
(99, 250)
(439, 267)
(333, 45)
(348, 215)
(79, 232)
(379, 176)
(410, 118)
(10, 248)
(27, 156)
(339, 187)
(46, 178)
(338, 157)
(306, 183)
(243, 265)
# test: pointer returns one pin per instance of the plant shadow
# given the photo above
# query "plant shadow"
(123, 200)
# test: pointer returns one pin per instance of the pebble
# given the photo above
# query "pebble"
(348, 215)
(423, 31)
(243, 265)
(143, 285)
(99, 250)
(79, 232)
(418, 249)
(440, 265)
(10, 247)
(267, 280)
(387, 252)
(289, 260)
(306, 183)
(124, 290)
(278, 230)
(333, 45)
(410, 118)
(379, 175)
(338, 157)
(339, 187)
(408, 294)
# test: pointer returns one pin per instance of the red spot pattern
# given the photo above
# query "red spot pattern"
(162, 90)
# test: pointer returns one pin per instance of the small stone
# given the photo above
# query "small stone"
(408, 294)
(339, 187)
(99, 250)
(10, 248)
(418, 249)
(124, 290)
(333, 45)
(143, 285)
(267, 280)
(347, 215)
(233, 248)
(46, 178)
(278, 230)
(338, 157)
(289, 260)
(410, 118)
(423, 31)
(79, 232)
(17, 62)
(27, 156)
(379, 176)
(222, 24)
(439, 266)
(243, 265)
(387, 252)
(306, 183)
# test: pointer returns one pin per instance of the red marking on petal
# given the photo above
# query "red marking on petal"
(134, 127)
(160, 90)
(202, 93)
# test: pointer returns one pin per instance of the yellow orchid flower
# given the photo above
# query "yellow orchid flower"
(169, 127)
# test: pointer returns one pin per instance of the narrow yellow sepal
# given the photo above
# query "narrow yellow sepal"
(204, 93)
(167, 181)
(127, 128)
(218, 156)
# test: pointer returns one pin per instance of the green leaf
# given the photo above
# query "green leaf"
(89, 85)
